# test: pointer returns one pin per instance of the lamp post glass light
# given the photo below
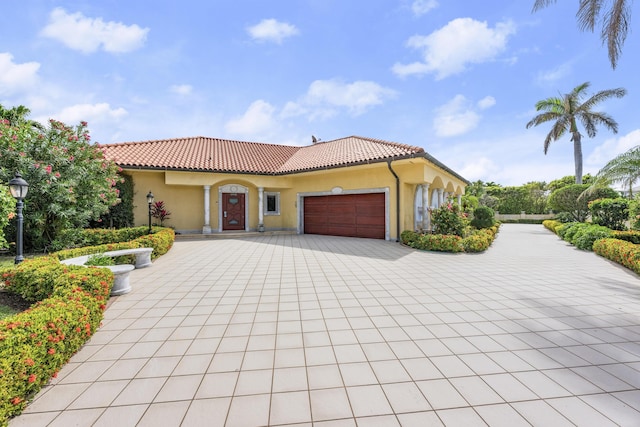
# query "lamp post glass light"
(150, 202)
(19, 189)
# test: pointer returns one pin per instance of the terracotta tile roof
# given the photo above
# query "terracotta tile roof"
(220, 155)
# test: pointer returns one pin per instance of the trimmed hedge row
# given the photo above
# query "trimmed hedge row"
(477, 241)
(620, 251)
(36, 343)
(632, 236)
(161, 241)
(70, 301)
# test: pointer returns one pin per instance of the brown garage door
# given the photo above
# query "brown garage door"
(351, 215)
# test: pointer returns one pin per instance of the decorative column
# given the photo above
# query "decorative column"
(460, 201)
(440, 196)
(206, 228)
(260, 208)
(426, 216)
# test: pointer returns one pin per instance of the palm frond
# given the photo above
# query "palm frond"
(539, 4)
(615, 28)
(588, 13)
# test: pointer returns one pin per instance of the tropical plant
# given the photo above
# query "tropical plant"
(18, 116)
(565, 112)
(70, 181)
(557, 184)
(483, 217)
(160, 212)
(571, 199)
(7, 212)
(611, 213)
(623, 169)
(447, 219)
(615, 22)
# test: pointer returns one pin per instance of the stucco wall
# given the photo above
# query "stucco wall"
(183, 192)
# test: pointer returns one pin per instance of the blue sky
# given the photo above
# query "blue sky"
(458, 78)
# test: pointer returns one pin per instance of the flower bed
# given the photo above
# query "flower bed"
(69, 304)
(620, 251)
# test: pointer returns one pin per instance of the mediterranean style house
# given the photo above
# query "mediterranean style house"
(353, 186)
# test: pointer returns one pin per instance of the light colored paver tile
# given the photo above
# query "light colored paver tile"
(441, 394)
(324, 376)
(390, 371)
(475, 391)
(289, 408)
(501, 415)
(193, 364)
(631, 398)
(330, 404)
(603, 379)
(405, 397)
(451, 366)
(540, 384)
(79, 417)
(40, 419)
(614, 409)
(355, 374)
(368, 400)
(378, 421)
(420, 419)
(140, 391)
(508, 387)
(289, 379)
(460, 417)
(254, 382)
(86, 372)
(121, 416)
(179, 388)
(579, 412)
(164, 414)
(572, 381)
(99, 394)
(58, 399)
(421, 369)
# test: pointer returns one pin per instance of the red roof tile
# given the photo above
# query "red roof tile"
(220, 155)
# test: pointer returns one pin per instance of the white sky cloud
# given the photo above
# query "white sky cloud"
(91, 113)
(15, 77)
(420, 7)
(258, 119)
(452, 48)
(555, 74)
(611, 148)
(459, 116)
(325, 98)
(181, 89)
(272, 30)
(486, 102)
(87, 35)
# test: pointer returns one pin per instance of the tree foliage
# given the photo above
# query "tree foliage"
(567, 111)
(623, 169)
(614, 21)
(70, 181)
(611, 213)
(7, 212)
(570, 199)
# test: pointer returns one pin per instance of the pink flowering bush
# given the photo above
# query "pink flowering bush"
(448, 219)
(7, 212)
(70, 181)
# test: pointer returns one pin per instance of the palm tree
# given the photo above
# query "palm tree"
(18, 115)
(568, 110)
(623, 169)
(615, 22)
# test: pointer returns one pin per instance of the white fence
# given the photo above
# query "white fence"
(522, 215)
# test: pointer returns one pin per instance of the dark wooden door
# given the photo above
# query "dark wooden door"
(351, 215)
(233, 211)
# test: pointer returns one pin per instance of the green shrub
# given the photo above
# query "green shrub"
(479, 241)
(99, 260)
(441, 243)
(409, 237)
(624, 253)
(570, 199)
(483, 217)
(632, 236)
(585, 236)
(634, 214)
(570, 230)
(611, 213)
(552, 224)
(448, 219)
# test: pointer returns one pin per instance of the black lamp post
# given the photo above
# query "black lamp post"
(150, 202)
(19, 189)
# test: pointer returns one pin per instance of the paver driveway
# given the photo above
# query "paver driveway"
(284, 330)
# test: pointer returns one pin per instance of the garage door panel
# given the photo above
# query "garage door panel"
(350, 215)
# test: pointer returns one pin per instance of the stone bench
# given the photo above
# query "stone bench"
(143, 255)
(121, 272)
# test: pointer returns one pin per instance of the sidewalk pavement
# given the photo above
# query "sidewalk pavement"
(328, 331)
